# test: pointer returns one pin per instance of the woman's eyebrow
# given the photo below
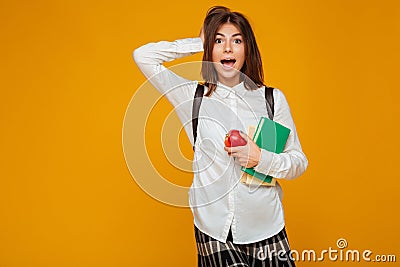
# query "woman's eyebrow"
(233, 35)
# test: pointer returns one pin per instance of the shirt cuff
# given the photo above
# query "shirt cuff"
(265, 163)
(191, 45)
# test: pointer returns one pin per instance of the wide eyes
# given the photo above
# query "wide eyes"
(235, 41)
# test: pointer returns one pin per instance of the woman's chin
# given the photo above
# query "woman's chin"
(227, 72)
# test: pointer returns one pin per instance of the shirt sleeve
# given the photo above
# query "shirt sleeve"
(292, 162)
(150, 58)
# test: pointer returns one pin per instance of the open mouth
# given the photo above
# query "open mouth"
(228, 63)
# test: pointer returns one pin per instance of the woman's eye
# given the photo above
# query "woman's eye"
(218, 41)
(237, 41)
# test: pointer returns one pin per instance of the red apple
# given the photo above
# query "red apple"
(233, 138)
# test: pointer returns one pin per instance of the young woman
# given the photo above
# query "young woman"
(235, 225)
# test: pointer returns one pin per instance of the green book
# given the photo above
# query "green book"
(271, 136)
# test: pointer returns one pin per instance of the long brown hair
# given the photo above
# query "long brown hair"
(252, 72)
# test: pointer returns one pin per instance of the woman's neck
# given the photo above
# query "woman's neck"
(230, 82)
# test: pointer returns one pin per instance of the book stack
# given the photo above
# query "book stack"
(271, 136)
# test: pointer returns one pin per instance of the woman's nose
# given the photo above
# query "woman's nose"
(227, 47)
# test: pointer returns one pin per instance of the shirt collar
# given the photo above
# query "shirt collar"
(226, 91)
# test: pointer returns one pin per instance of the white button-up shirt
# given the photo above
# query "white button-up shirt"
(217, 198)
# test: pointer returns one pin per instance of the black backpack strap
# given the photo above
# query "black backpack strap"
(269, 100)
(198, 97)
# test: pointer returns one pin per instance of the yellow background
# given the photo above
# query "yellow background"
(67, 76)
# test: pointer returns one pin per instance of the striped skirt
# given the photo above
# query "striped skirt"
(273, 251)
